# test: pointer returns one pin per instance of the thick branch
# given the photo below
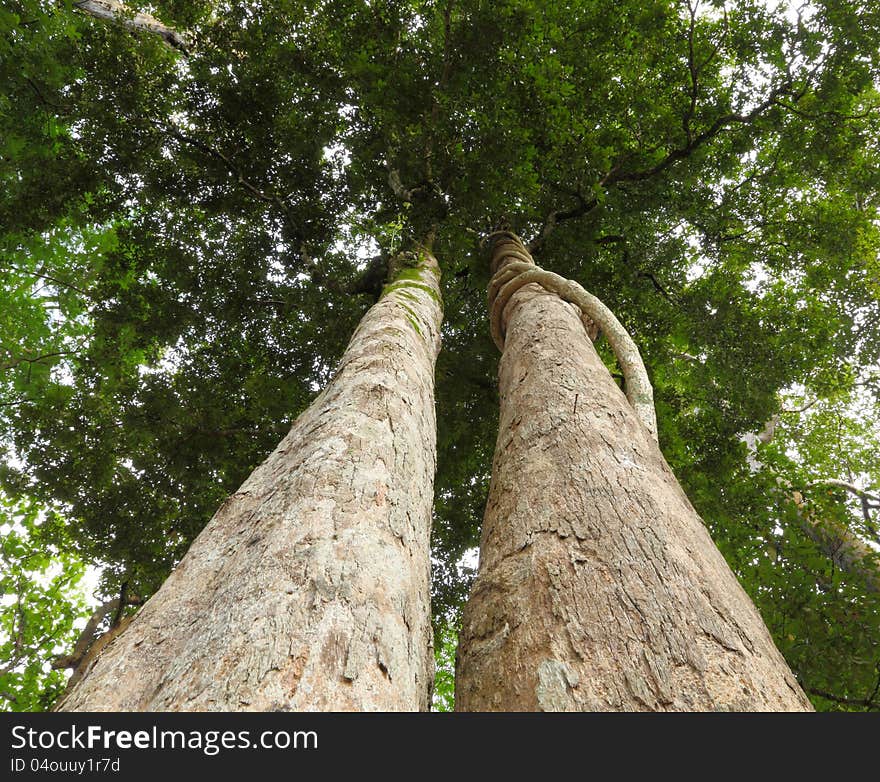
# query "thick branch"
(397, 186)
(117, 13)
(617, 175)
(852, 489)
(89, 637)
(842, 546)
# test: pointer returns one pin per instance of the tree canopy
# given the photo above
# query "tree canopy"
(189, 235)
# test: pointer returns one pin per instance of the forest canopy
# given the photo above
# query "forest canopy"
(191, 228)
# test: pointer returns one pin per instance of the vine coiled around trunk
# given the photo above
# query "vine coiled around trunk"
(513, 267)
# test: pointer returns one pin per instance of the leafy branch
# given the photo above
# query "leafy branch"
(37, 359)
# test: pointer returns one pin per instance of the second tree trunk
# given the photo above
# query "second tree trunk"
(599, 587)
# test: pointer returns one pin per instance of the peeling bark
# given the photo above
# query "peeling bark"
(599, 587)
(310, 587)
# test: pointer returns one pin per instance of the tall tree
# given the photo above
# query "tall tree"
(599, 587)
(187, 238)
(311, 584)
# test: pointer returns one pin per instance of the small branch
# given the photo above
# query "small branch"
(270, 198)
(843, 701)
(692, 72)
(554, 218)
(18, 361)
(49, 278)
(801, 409)
(441, 86)
(230, 165)
(720, 124)
(16, 402)
(769, 430)
(836, 115)
(18, 635)
(40, 95)
(657, 286)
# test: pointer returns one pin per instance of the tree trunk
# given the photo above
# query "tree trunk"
(310, 587)
(599, 587)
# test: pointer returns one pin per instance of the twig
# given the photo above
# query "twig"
(23, 360)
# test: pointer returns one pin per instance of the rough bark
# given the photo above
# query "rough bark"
(599, 587)
(310, 587)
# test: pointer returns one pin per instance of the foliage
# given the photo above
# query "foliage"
(187, 243)
(40, 597)
(445, 644)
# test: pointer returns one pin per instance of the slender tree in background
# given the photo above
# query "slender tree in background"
(197, 207)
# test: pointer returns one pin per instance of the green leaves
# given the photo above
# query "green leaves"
(40, 597)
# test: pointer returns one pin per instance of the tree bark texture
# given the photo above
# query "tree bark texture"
(598, 587)
(310, 587)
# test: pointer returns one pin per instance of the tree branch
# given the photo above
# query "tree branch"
(23, 360)
(842, 546)
(117, 13)
(851, 489)
(89, 637)
(280, 202)
(441, 85)
(719, 125)
(559, 216)
(47, 277)
(231, 167)
(843, 701)
(396, 185)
